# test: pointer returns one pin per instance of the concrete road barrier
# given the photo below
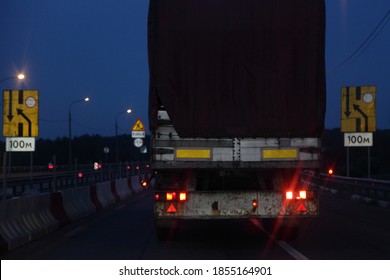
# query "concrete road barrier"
(25, 219)
(104, 194)
(122, 188)
(10, 225)
(77, 203)
(114, 191)
(36, 215)
(136, 183)
(70, 207)
(57, 208)
(82, 199)
(94, 197)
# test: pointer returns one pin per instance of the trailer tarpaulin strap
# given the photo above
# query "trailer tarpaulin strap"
(238, 68)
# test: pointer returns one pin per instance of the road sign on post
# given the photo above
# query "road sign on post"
(138, 130)
(138, 142)
(20, 113)
(358, 139)
(20, 144)
(358, 111)
(358, 118)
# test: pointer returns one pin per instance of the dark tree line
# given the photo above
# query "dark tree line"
(335, 155)
(90, 148)
(86, 149)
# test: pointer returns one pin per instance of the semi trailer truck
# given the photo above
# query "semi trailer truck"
(236, 108)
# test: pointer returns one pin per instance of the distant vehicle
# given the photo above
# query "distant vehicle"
(236, 108)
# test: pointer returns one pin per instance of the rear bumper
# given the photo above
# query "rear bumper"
(236, 205)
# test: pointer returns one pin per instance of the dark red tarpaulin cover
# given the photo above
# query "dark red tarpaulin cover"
(238, 68)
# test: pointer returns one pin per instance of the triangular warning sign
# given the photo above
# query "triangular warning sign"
(171, 209)
(301, 207)
(138, 126)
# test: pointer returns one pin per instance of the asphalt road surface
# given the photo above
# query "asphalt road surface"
(345, 230)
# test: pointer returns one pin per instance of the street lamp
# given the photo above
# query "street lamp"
(86, 99)
(20, 76)
(128, 111)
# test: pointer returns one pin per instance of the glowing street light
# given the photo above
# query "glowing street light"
(20, 76)
(86, 99)
(128, 111)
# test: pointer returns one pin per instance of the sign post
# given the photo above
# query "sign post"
(358, 139)
(358, 118)
(20, 123)
(20, 144)
(138, 132)
(4, 175)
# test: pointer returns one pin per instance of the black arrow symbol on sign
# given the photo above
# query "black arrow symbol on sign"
(347, 96)
(357, 108)
(10, 116)
(20, 112)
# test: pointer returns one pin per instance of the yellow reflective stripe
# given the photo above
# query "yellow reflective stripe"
(280, 154)
(193, 153)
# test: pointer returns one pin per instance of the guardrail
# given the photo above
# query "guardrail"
(23, 184)
(367, 190)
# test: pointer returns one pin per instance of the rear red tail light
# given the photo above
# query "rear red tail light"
(156, 196)
(289, 195)
(302, 194)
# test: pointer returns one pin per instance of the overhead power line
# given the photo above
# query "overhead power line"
(364, 45)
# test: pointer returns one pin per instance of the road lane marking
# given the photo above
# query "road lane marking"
(289, 249)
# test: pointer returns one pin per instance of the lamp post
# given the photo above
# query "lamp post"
(86, 99)
(128, 111)
(20, 76)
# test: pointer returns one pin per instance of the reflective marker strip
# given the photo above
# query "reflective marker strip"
(193, 154)
(280, 154)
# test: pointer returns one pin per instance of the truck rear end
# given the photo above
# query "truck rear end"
(236, 107)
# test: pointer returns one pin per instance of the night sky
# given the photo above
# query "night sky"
(72, 49)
